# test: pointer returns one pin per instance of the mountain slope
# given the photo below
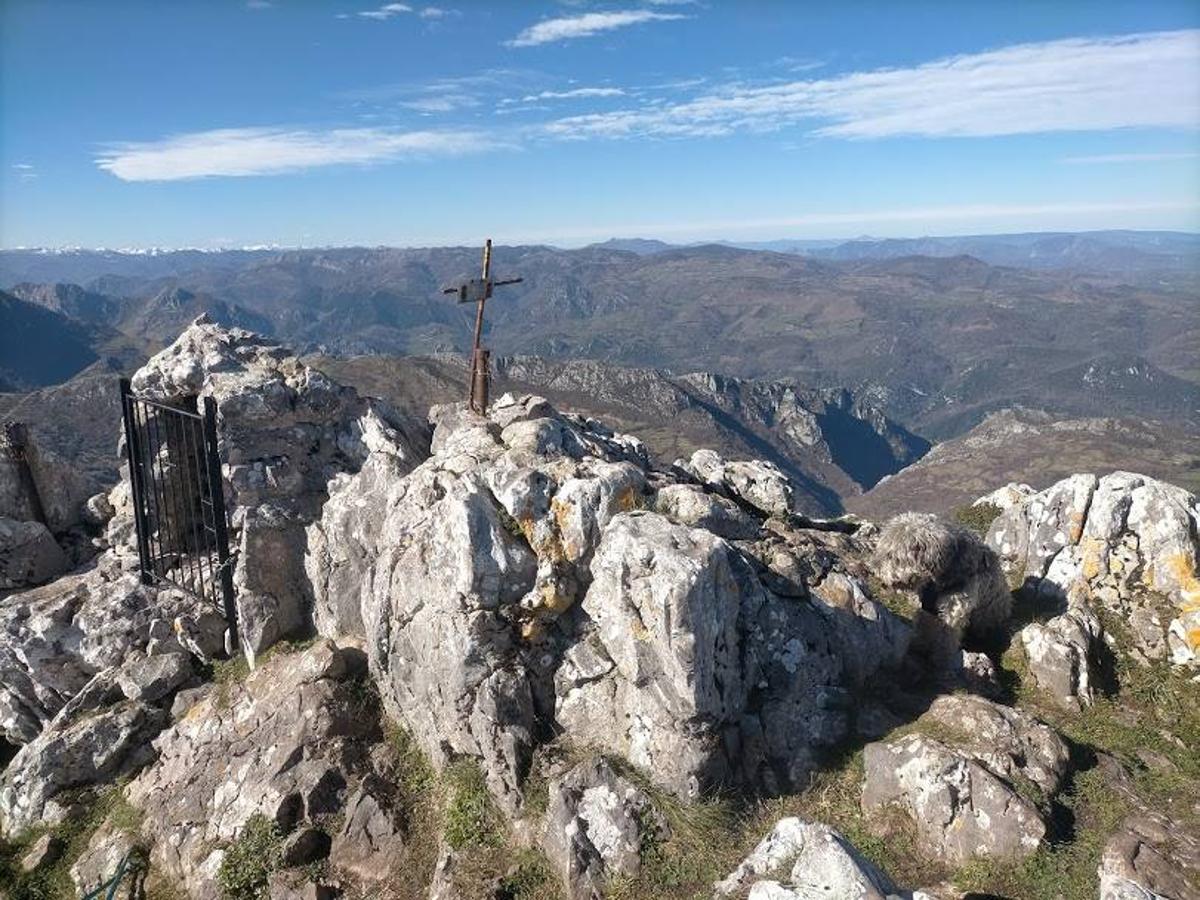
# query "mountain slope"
(1033, 447)
(39, 346)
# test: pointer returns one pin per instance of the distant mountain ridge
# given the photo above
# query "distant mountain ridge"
(937, 342)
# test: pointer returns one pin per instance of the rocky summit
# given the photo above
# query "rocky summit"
(510, 656)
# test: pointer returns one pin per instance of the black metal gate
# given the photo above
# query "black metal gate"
(179, 505)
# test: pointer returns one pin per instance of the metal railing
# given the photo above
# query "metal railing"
(178, 500)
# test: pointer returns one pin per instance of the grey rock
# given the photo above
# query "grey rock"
(802, 860)
(595, 827)
(690, 505)
(45, 850)
(289, 742)
(1124, 542)
(1150, 857)
(78, 754)
(62, 488)
(372, 831)
(1062, 656)
(102, 857)
(29, 555)
(55, 638)
(150, 678)
(1009, 741)
(756, 482)
(961, 809)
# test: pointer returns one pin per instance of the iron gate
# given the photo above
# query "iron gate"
(178, 501)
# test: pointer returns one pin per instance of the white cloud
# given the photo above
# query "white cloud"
(386, 11)
(1077, 84)
(259, 4)
(22, 166)
(1127, 158)
(586, 25)
(437, 12)
(573, 93)
(273, 151)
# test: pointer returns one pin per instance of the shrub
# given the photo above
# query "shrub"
(978, 518)
(250, 860)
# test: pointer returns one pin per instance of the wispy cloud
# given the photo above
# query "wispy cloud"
(1078, 84)
(386, 11)
(25, 171)
(273, 151)
(259, 4)
(574, 93)
(1127, 158)
(586, 25)
(437, 12)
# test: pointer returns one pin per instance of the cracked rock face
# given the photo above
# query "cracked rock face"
(802, 860)
(285, 430)
(1125, 542)
(289, 743)
(595, 827)
(960, 808)
(29, 555)
(55, 638)
(536, 573)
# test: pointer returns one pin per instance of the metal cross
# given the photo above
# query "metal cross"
(478, 290)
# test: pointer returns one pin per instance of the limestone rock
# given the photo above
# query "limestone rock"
(1125, 542)
(802, 860)
(101, 859)
(1150, 857)
(755, 482)
(29, 555)
(290, 743)
(1009, 741)
(371, 831)
(1062, 655)
(285, 430)
(41, 852)
(151, 678)
(595, 828)
(685, 635)
(77, 754)
(691, 506)
(1012, 494)
(960, 808)
(62, 488)
(55, 638)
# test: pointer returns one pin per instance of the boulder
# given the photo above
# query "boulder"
(1012, 494)
(151, 678)
(1125, 542)
(29, 555)
(596, 826)
(72, 753)
(757, 483)
(1009, 741)
(1150, 857)
(1062, 655)
(959, 807)
(802, 860)
(55, 638)
(372, 830)
(62, 489)
(291, 742)
(101, 859)
(697, 674)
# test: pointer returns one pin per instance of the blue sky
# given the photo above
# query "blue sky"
(303, 123)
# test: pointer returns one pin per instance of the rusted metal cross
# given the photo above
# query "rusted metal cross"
(478, 290)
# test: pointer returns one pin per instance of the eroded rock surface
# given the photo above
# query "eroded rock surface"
(959, 788)
(596, 827)
(1124, 542)
(291, 743)
(29, 555)
(802, 860)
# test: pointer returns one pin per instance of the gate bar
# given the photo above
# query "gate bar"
(136, 480)
(218, 506)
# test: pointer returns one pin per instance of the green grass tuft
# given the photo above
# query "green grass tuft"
(471, 819)
(977, 518)
(250, 860)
